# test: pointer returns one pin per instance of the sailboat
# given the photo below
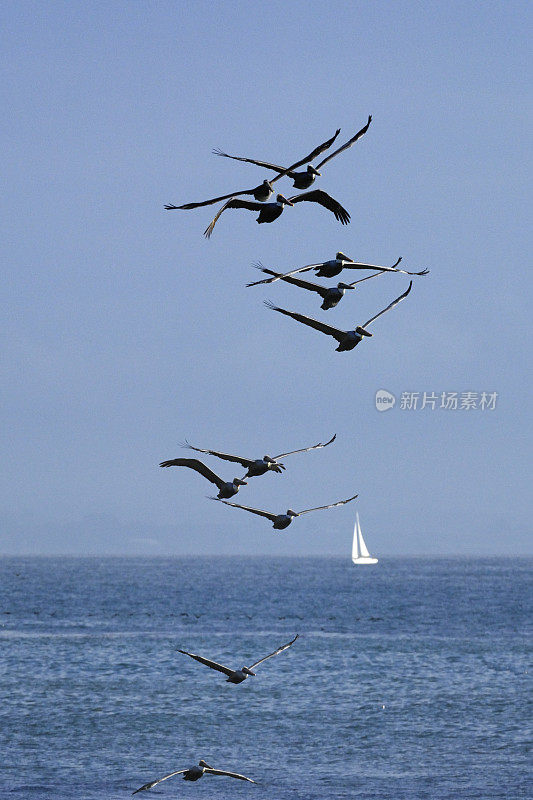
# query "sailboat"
(360, 554)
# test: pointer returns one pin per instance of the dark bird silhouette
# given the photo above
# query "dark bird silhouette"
(226, 488)
(193, 774)
(282, 521)
(259, 466)
(347, 339)
(302, 180)
(265, 189)
(268, 212)
(331, 295)
(329, 269)
(237, 675)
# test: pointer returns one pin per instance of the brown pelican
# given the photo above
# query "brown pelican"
(282, 521)
(347, 339)
(226, 488)
(237, 675)
(331, 295)
(329, 269)
(302, 180)
(259, 466)
(268, 212)
(265, 189)
(194, 774)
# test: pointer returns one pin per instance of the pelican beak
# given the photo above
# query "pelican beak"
(284, 200)
(362, 331)
(240, 482)
(248, 671)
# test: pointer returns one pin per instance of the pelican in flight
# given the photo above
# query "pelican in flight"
(282, 521)
(265, 189)
(302, 180)
(331, 295)
(226, 488)
(347, 339)
(194, 774)
(257, 466)
(237, 675)
(329, 269)
(268, 212)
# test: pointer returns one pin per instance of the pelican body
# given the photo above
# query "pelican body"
(271, 211)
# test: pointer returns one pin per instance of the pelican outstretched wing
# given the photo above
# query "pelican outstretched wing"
(208, 662)
(359, 265)
(347, 144)
(278, 276)
(284, 170)
(305, 449)
(331, 505)
(187, 206)
(245, 462)
(258, 511)
(309, 285)
(324, 199)
(198, 466)
(313, 323)
(391, 305)
(279, 650)
(159, 780)
(211, 771)
(233, 203)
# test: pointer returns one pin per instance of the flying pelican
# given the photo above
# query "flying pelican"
(226, 488)
(347, 339)
(282, 521)
(329, 269)
(331, 295)
(237, 675)
(260, 465)
(302, 180)
(194, 774)
(268, 212)
(265, 189)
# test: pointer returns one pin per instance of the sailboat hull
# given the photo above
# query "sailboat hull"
(363, 560)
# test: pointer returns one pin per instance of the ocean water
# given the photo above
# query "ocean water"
(410, 679)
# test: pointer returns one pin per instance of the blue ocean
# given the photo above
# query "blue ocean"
(409, 679)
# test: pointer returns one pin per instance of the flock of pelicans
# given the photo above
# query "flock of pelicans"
(346, 340)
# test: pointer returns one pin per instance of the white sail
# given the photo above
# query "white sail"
(362, 546)
(360, 554)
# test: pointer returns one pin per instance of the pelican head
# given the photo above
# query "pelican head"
(282, 201)
(239, 482)
(342, 257)
(344, 286)
(361, 331)
(268, 460)
(204, 764)
(291, 513)
(313, 170)
(247, 671)
(268, 185)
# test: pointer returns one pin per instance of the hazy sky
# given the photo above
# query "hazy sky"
(127, 332)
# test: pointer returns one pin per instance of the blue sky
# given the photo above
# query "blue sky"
(126, 331)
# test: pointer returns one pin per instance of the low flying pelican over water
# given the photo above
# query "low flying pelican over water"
(193, 774)
(282, 521)
(265, 189)
(268, 212)
(259, 466)
(302, 180)
(331, 296)
(347, 339)
(329, 269)
(237, 675)
(226, 488)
